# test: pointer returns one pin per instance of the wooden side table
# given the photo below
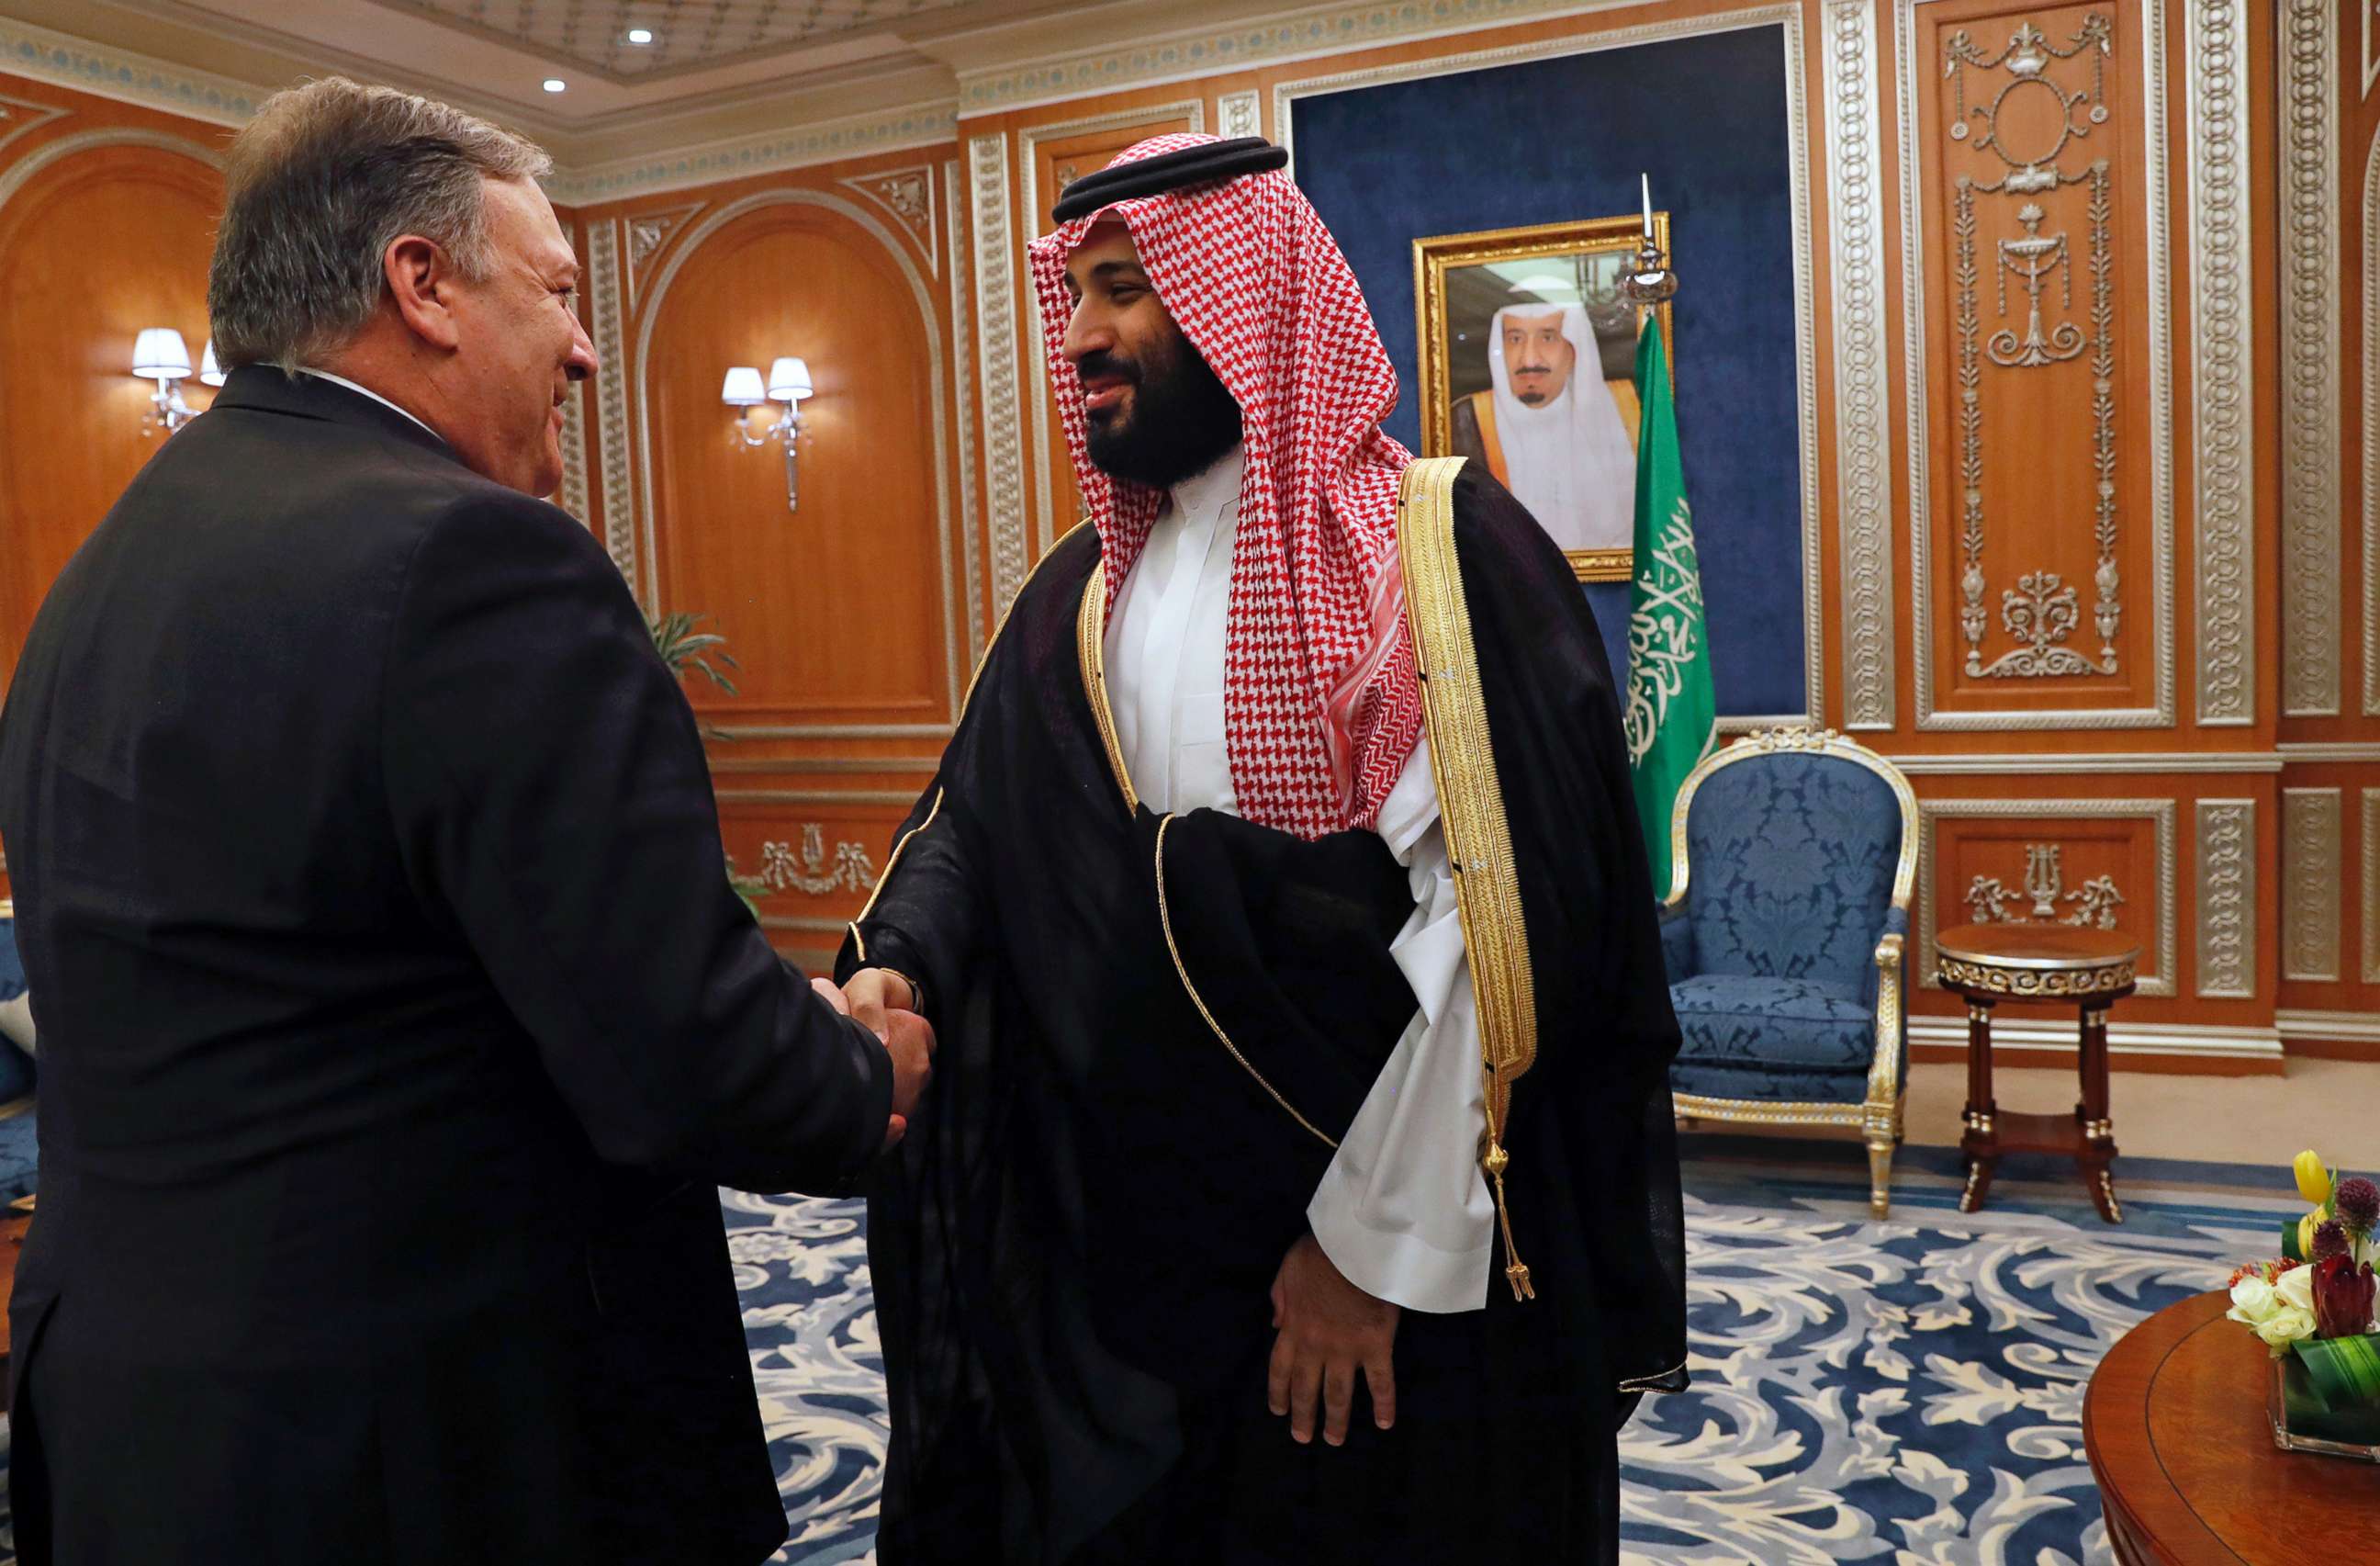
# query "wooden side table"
(2091, 969)
(2175, 1427)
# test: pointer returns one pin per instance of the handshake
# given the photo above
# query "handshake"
(884, 1002)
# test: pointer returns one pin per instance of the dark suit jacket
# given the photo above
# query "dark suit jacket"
(397, 1021)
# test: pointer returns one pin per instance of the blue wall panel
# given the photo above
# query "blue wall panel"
(1560, 139)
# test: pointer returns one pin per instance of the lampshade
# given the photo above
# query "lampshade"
(789, 380)
(162, 354)
(210, 372)
(742, 389)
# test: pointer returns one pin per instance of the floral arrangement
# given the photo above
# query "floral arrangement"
(2316, 1303)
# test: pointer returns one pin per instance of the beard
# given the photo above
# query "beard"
(1182, 419)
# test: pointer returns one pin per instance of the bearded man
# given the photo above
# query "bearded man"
(1549, 427)
(1237, 975)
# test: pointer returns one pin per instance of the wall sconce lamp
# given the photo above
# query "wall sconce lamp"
(789, 382)
(161, 355)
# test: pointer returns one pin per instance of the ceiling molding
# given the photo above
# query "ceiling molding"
(64, 60)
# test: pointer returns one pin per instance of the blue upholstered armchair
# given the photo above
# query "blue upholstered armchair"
(1792, 856)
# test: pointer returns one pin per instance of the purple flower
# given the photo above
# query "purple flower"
(2329, 1240)
(2342, 1298)
(2358, 1204)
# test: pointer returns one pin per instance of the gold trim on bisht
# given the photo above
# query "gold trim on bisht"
(1090, 648)
(1470, 806)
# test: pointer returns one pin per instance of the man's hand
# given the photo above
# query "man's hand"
(1328, 1329)
(880, 1001)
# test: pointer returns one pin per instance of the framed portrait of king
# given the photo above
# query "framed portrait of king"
(1528, 364)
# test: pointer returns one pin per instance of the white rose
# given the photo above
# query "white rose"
(2284, 1326)
(2252, 1300)
(2296, 1289)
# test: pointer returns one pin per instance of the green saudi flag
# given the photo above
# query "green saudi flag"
(1672, 717)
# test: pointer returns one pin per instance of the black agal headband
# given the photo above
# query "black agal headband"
(1168, 171)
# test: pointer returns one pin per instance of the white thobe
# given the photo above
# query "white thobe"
(1403, 1210)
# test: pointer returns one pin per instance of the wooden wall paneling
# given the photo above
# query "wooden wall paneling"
(2042, 526)
(102, 237)
(108, 218)
(840, 611)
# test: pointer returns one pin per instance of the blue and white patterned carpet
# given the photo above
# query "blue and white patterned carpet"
(1907, 1391)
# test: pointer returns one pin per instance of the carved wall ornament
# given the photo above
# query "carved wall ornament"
(2312, 857)
(612, 398)
(2096, 898)
(2312, 649)
(1862, 391)
(2223, 361)
(2042, 611)
(1237, 114)
(997, 349)
(2227, 899)
(2370, 885)
(908, 195)
(2159, 907)
(962, 356)
(647, 232)
(812, 873)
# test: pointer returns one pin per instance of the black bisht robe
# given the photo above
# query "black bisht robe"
(1072, 1248)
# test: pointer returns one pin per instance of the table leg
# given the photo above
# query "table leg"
(2097, 1151)
(1980, 1140)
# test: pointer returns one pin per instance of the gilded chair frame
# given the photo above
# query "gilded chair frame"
(1876, 1119)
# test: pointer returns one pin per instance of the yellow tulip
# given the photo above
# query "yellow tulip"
(2305, 1233)
(2314, 1180)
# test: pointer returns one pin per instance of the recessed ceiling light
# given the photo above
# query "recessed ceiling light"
(554, 84)
(640, 35)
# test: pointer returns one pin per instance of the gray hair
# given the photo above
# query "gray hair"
(318, 186)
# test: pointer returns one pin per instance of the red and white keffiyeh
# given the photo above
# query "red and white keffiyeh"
(1322, 706)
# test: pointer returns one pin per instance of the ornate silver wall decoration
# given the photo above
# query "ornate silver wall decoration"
(1988, 900)
(2310, 349)
(2159, 812)
(2042, 611)
(1974, 607)
(611, 399)
(573, 496)
(1236, 114)
(2372, 433)
(2370, 885)
(908, 195)
(647, 232)
(1862, 392)
(2227, 899)
(2312, 835)
(2222, 359)
(813, 873)
(1003, 427)
(970, 494)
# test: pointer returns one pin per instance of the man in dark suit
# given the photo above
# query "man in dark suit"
(398, 1018)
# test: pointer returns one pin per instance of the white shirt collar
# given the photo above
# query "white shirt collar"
(343, 381)
(1207, 495)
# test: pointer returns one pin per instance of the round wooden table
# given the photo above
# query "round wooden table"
(2174, 1424)
(2090, 969)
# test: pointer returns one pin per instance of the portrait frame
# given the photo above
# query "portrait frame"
(1439, 258)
